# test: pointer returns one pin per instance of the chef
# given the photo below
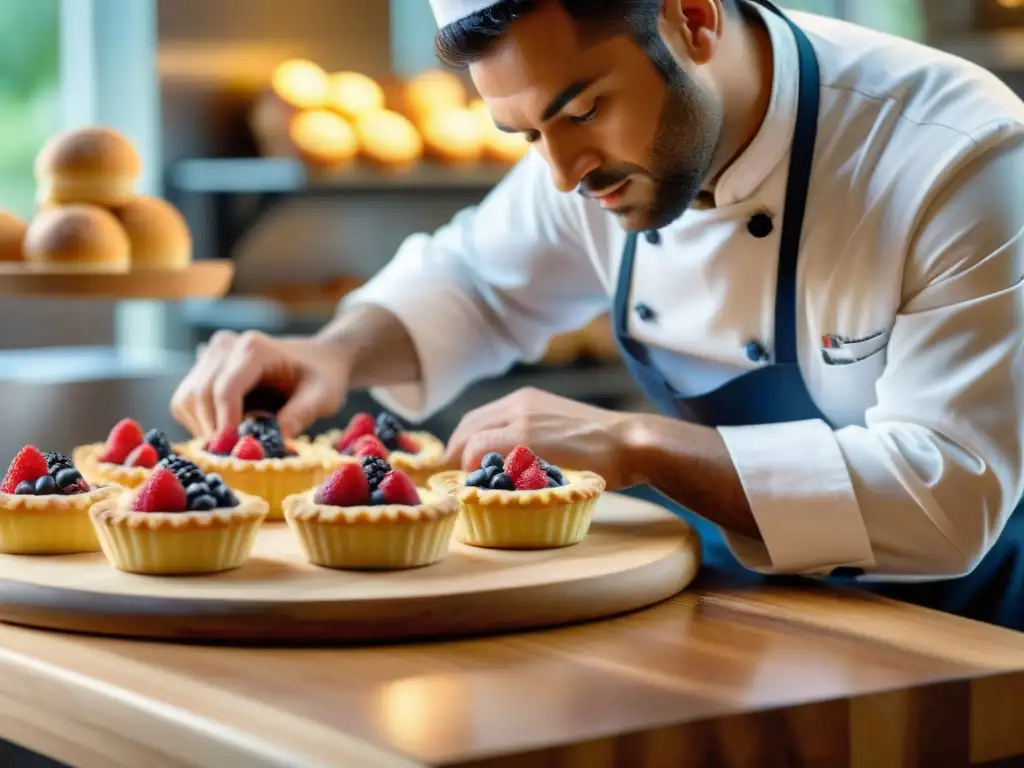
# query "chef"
(810, 237)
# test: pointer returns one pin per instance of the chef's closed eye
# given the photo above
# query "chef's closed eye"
(586, 116)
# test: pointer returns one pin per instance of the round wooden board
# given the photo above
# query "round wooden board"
(200, 280)
(636, 554)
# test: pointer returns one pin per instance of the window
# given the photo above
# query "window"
(30, 98)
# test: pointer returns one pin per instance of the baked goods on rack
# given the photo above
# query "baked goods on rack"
(417, 454)
(158, 236)
(126, 458)
(44, 506)
(96, 165)
(180, 521)
(12, 237)
(256, 459)
(323, 139)
(370, 516)
(520, 501)
(389, 139)
(77, 237)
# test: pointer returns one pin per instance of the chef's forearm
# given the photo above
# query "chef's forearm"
(376, 346)
(690, 464)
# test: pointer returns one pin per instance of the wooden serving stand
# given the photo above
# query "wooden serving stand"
(200, 280)
(636, 554)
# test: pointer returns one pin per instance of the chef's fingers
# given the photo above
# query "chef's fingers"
(244, 368)
(313, 398)
(481, 420)
(500, 439)
(187, 402)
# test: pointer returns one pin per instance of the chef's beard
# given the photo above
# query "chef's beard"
(680, 158)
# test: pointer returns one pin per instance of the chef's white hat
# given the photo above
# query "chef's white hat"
(447, 11)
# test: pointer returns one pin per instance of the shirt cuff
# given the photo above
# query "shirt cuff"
(801, 495)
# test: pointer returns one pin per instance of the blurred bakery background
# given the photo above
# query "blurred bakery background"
(304, 140)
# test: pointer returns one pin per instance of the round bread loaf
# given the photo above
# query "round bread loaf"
(80, 238)
(158, 235)
(94, 165)
(12, 236)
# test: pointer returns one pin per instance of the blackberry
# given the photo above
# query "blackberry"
(159, 441)
(375, 468)
(55, 462)
(387, 429)
(258, 425)
(183, 469)
(273, 445)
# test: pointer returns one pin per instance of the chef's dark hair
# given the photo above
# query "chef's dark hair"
(467, 40)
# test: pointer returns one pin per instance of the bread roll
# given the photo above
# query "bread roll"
(80, 238)
(453, 135)
(97, 165)
(354, 94)
(323, 138)
(12, 236)
(432, 90)
(158, 236)
(387, 138)
(301, 84)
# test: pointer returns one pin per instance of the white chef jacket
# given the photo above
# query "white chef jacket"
(912, 252)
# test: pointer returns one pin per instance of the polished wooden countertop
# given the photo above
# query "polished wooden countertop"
(716, 676)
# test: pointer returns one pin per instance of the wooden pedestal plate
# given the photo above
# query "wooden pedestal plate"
(636, 554)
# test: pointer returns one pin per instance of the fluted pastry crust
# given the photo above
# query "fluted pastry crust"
(86, 459)
(418, 466)
(50, 525)
(579, 487)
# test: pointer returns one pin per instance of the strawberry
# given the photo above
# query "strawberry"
(519, 460)
(29, 464)
(223, 442)
(162, 492)
(346, 487)
(398, 488)
(408, 443)
(249, 448)
(122, 440)
(368, 445)
(359, 425)
(532, 479)
(143, 456)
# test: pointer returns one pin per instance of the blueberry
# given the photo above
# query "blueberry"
(25, 488)
(224, 497)
(553, 483)
(66, 477)
(555, 474)
(213, 480)
(478, 479)
(197, 489)
(203, 503)
(502, 482)
(491, 471)
(377, 498)
(159, 441)
(387, 429)
(46, 486)
(544, 466)
(493, 459)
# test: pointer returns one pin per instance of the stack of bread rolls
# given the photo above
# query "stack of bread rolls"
(89, 217)
(331, 119)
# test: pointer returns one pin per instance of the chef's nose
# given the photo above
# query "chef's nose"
(569, 165)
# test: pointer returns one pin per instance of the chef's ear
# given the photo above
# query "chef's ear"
(693, 27)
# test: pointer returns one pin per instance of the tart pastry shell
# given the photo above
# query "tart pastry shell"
(418, 466)
(542, 519)
(86, 459)
(271, 479)
(50, 525)
(177, 543)
(387, 537)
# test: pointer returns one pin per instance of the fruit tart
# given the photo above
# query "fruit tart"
(179, 521)
(44, 506)
(256, 459)
(126, 458)
(520, 501)
(417, 454)
(370, 516)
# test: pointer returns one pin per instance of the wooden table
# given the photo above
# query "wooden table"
(776, 676)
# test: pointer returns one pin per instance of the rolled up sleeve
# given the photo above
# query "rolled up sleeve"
(925, 487)
(488, 289)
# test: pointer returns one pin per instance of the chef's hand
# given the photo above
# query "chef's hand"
(312, 373)
(563, 432)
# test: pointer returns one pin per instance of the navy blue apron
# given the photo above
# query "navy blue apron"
(776, 392)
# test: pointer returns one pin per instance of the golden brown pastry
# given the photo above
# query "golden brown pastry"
(323, 139)
(12, 237)
(81, 238)
(389, 139)
(354, 94)
(453, 135)
(157, 233)
(94, 165)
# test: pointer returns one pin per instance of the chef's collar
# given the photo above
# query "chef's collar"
(771, 144)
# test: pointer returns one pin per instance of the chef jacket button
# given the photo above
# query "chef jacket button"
(652, 236)
(760, 225)
(756, 353)
(644, 312)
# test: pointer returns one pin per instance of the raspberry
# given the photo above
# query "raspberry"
(408, 443)
(143, 456)
(162, 492)
(368, 445)
(398, 488)
(346, 487)
(359, 425)
(532, 479)
(122, 440)
(28, 465)
(249, 449)
(518, 461)
(223, 442)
